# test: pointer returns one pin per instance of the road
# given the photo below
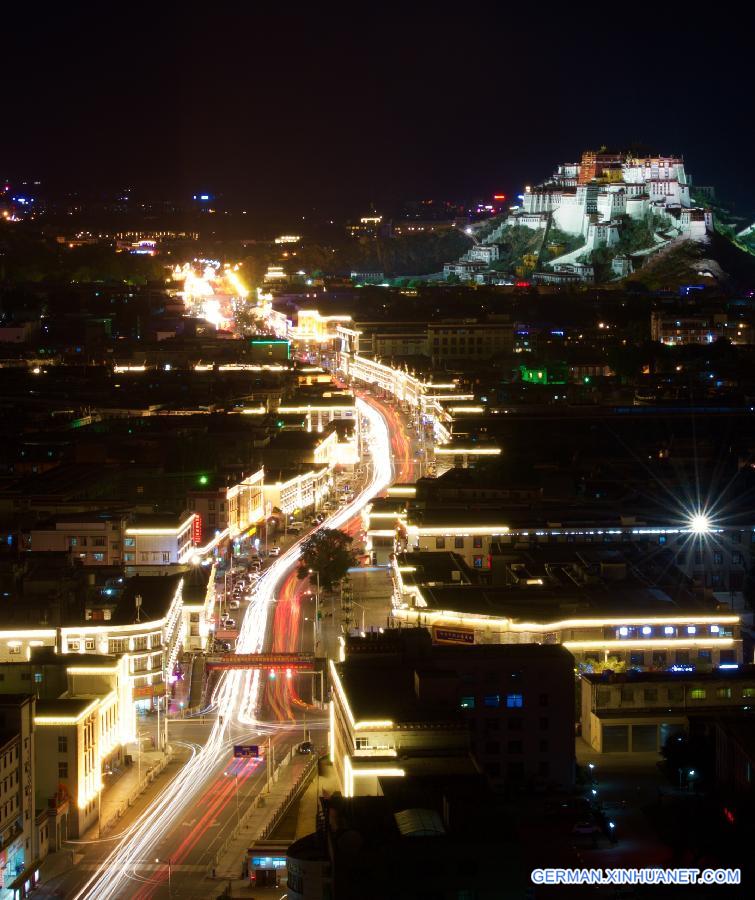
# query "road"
(184, 823)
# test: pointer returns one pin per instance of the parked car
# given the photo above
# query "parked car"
(234, 604)
(229, 623)
(306, 747)
(275, 551)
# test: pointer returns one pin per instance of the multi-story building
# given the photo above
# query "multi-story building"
(620, 605)
(142, 619)
(399, 705)
(18, 850)
(674, 328)
(228, 510)
(158, 540)
(294, 492)
(638, 712)
(95, 538)
(84, 719)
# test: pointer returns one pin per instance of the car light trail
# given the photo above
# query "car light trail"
(235, 698)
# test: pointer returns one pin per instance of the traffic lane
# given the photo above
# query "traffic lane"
(192, 843)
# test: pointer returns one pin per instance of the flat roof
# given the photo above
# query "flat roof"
(63, 706)
(606, 679)
(156, 592)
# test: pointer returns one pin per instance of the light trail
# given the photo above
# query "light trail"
(235, 697)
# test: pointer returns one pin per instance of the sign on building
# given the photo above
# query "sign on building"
(453, 635)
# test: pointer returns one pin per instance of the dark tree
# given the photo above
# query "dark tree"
(328, 552)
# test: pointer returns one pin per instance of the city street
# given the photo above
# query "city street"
(168, 842)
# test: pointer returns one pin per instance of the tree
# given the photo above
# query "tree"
(328, 552)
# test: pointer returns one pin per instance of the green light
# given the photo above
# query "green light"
(279, 423)
(272, 675)
(203, 479)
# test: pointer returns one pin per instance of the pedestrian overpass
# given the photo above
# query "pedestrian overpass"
(294, 662)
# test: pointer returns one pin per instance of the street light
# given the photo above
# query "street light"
(236, 779)
(158, 861)
(317, 605)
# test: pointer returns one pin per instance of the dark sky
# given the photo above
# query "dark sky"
(335, 110)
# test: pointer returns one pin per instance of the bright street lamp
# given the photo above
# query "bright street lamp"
(699, 523)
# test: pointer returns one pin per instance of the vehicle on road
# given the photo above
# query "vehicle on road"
(275, 551)
(234, 604)
(306, 747)
(229, 623)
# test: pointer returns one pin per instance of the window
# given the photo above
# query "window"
(514, 747)
(466, 703)
(99, 542)
(38, 677)
(458, 543)
(682, 657)
(515, 723)
(637, 658)
(477, 542)
(544, 723)
(362, 743)
(73, 646)
(723, 693)
(736, 559)
(98, 557)
(440, 543)
(544, 768)
(129, 542)
(166, 556)
(62, 770)
(514, 701)
(650, 695)
(544, 745)
(492, 724)
(62, 744)
(748, 692)
(704, 656)
(718, 558)
(627, 694)
(477, 562)
(492, 748)
(659, 659)
(74, 541)
(603, 697)
(129, 557)
(543, 699)
(697, 694)
(492, 700)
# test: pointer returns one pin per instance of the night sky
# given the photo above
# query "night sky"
(334, 111)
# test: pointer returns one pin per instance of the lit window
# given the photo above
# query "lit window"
(467, 703)
(514, 701)
(692, 629)
(623, 631)
(668, 629)
(714, 629)
(646, 629)
(723, 693)
(492, 700)
(697, 694)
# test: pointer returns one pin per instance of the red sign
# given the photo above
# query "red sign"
(196, 530)
(297, 661)
(453, 635)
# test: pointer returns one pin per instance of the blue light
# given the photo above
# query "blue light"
(204, 196)
(729, 666)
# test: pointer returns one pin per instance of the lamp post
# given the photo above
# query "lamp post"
(158, 861)
(317, 605)
(236, 779)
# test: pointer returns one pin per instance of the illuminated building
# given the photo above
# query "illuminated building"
(639, 712)
(158, 539)
(401, 707)
(610, 603)
(18, 838)
(295, 492)
(142, 620)
(238, 507)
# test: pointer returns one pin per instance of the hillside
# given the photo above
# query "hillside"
(717, 264)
